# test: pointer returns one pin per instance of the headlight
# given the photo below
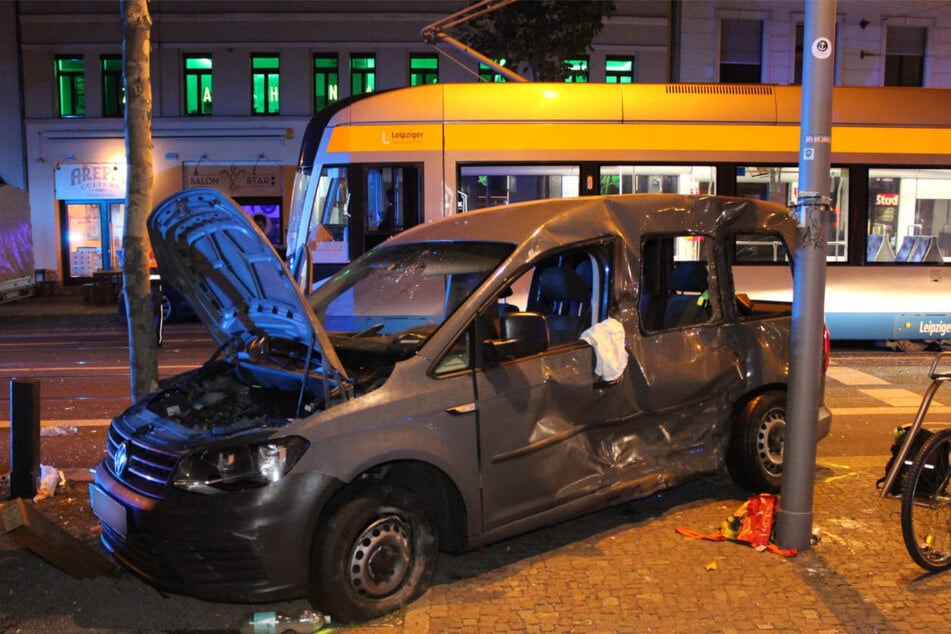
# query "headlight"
(236, 468)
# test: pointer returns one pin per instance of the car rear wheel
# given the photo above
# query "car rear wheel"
(755, 453)
(375, 553)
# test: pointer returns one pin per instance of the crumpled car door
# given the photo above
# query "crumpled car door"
(543, 433)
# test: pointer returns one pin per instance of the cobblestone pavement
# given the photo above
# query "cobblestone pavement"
(627, 570)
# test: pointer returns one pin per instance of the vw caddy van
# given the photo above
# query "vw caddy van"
(466, 381)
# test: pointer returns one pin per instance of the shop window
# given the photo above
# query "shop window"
(326, 80)
(93, 237)
(619, 70)
(741, 51)
(362, 74)
(266, 214)
(577, 70)
(71, 84)
(265, 84)
(198, 95)
(113, 91)
(905, 56)
(423, 69)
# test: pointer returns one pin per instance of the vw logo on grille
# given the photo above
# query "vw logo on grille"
(121, 459)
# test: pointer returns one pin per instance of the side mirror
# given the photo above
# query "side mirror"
(523, 334)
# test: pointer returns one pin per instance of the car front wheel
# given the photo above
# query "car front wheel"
(376, 553)
(755, 454)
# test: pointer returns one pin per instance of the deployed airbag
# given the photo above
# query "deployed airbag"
(607, 339)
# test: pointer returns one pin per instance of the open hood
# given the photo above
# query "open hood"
(211, 252)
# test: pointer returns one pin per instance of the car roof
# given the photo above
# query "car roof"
(554, 222)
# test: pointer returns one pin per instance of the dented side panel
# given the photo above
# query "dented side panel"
(541, 426)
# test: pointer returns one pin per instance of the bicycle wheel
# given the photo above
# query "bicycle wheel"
(926, 504)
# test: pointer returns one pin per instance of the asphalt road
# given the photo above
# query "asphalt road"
(82, 363)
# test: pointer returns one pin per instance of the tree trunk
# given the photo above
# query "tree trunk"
(136, 43)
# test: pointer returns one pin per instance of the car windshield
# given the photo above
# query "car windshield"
(394, 297)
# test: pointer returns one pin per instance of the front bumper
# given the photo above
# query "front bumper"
(251, 545)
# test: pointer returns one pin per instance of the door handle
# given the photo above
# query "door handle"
(466, 408)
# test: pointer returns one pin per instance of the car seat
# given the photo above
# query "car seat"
(565, 302)
(689, 303)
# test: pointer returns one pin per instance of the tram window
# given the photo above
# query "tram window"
(909, 215)
(780, 184)
(668, 179)
(489, 185)
(392, 198)
(332, 203)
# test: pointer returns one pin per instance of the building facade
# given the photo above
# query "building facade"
(235, 83)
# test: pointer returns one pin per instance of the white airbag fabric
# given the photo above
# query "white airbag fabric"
(607, 339)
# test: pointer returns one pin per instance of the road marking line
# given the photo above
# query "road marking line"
(82, 422)
(885, 409)
(90, 368)
(896, 397)
(849, 376)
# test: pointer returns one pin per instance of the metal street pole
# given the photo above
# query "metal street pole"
(794, 523)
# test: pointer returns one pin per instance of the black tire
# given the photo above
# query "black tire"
(376, 553)
(926, 504)
(755, 455)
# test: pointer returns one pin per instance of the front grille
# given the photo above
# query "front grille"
(147, 469)
(217, 558)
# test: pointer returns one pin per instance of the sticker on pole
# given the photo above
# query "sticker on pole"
(822, 48)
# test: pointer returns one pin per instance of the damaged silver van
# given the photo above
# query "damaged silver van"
(468, 380)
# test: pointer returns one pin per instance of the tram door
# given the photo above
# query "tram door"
(92, 238)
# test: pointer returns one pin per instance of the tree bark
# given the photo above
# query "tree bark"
(136, 44)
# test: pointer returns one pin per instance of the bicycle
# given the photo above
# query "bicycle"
(926, 489)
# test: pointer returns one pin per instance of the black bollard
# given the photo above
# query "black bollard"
(24, 437)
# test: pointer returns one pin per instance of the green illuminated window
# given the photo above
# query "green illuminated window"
(577, 70)
(488, 75)
(619, 70)
(113, 92)
(362, 74)
(265, 84)
(71, 82)
(198, 84)
(423, 69)
(326, 80)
